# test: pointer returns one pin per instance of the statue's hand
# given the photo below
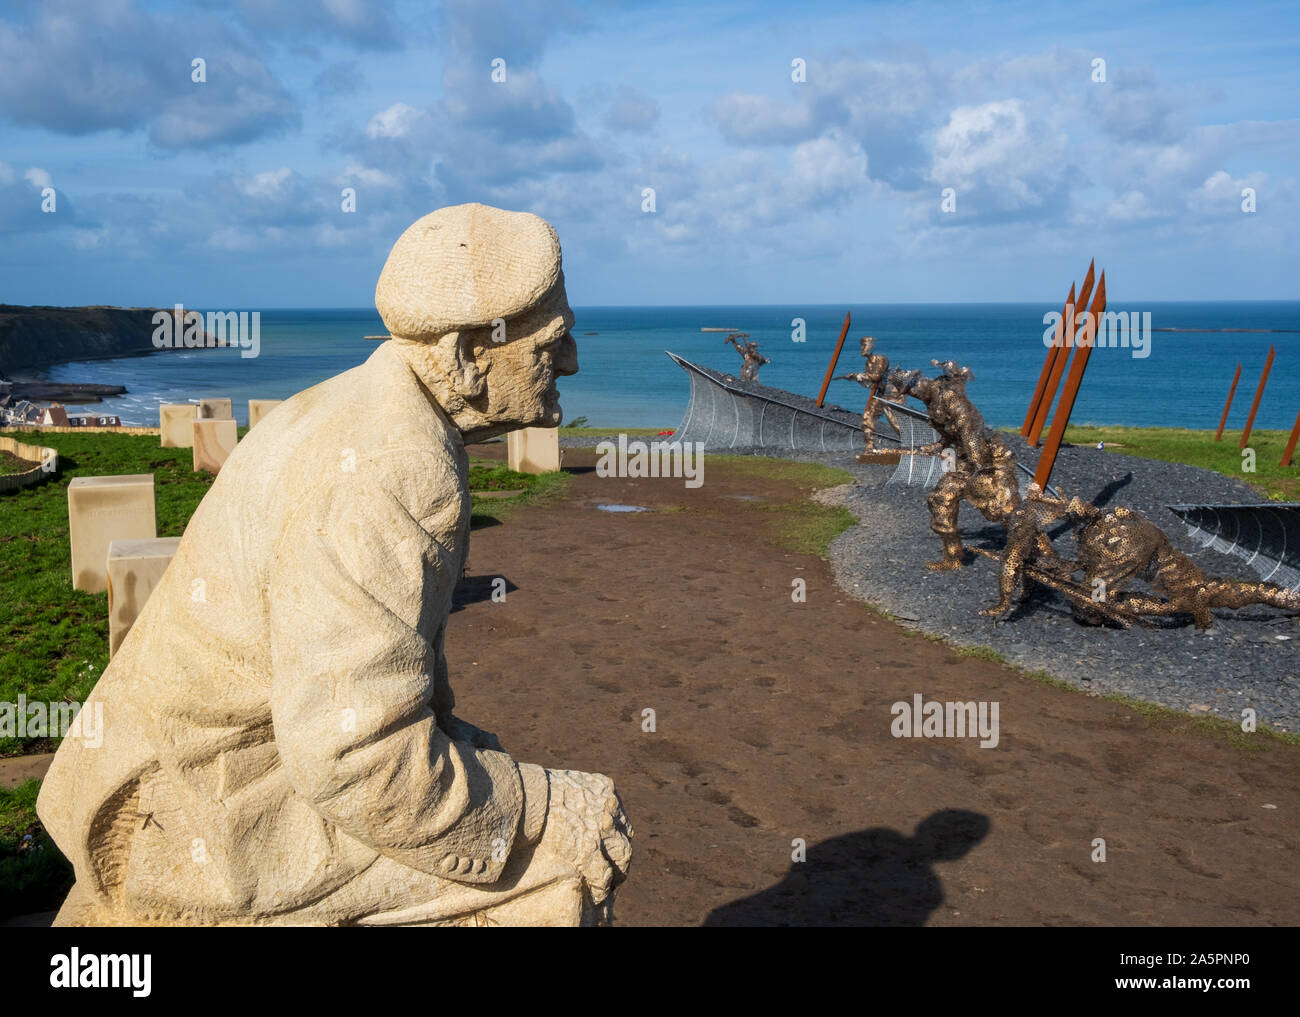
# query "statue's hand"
(586, 824)
(462, 731)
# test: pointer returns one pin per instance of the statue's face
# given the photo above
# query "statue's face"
(494, 380)
(521, 372)
(868, 344)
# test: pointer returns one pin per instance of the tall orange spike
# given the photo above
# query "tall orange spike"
(1058, 344)
(1062, 419)
(1259, 394)
(821, 396)
(1058, 369)
(1290, 445)
(1228, 405)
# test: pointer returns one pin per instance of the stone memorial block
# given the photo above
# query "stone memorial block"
(134, 569)
(258, 408)
(101, 510)
(534, 450)
(214, 440)
(175, 424)
(215, 409)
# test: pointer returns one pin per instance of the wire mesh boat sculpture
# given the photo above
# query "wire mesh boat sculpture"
(1266, 537)
(726, 412)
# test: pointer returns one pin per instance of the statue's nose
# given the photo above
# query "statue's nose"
(566, 356)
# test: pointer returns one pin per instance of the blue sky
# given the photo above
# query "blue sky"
(227, 193)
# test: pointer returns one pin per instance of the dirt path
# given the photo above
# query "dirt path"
(772, 722)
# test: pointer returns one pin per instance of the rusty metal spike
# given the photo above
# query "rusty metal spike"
(1063, 357)
(1062, 419)
(1228, 405)
(830, 370)
(1058, 342)
(1259, 394)
(1290, 445)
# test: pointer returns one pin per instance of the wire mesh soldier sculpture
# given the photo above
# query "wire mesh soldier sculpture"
(749, 351)
(1117, 547)
(979, 467)
(875, 377)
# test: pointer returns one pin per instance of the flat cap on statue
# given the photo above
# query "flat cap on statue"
(464, 265)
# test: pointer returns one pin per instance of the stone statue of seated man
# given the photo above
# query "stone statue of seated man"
(278, 743)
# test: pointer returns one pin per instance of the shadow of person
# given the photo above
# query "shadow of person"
(477, 589)
(871, 877)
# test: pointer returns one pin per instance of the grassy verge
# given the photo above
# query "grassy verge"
(53, 639)
(595, 432)
(789, 471)
(797, 525)
(1198, 448)
(487, 475)
(806, 527)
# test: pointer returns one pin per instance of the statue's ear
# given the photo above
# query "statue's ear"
(469, 376)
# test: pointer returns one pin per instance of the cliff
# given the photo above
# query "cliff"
(32, 337)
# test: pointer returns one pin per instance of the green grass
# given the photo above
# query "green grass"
(805, 475)
(981, 653)
(492, 475)
(1164, 718)
(538, 489)
(804, 527)
(1198, 448)
(631, 432)
(800, 526)
(53, 639)
(34, 875)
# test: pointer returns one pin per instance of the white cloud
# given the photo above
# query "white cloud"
(998, 155)
(269, 184)
(395, 122)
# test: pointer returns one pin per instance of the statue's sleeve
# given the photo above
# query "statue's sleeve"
(354, 685)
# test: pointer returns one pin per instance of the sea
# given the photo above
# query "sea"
(1179, 378)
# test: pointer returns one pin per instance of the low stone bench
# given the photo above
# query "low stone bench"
(258, 408)
(215, 409)
(134, 568)
(101, 510)
(214, 440)
(534, 450)
(175, 424)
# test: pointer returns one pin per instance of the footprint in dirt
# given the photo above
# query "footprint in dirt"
(872, 877)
